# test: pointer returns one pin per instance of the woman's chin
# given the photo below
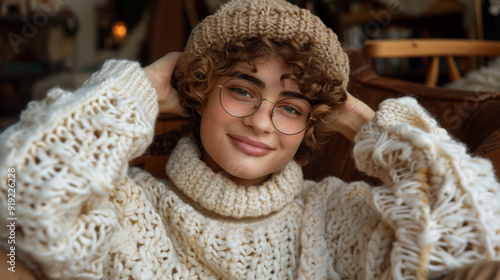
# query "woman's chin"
(248, 180)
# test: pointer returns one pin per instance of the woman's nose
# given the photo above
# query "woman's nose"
(260, 121)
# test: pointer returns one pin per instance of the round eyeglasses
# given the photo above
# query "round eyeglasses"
(240, 98)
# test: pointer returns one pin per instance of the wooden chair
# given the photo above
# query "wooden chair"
(434, 48)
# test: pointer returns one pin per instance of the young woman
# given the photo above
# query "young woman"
(265, 83)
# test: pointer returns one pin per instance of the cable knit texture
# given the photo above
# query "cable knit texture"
(83, 214)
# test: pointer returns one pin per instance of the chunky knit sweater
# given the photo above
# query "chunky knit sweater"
(83, 213)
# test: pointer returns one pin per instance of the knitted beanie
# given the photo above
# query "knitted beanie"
(274, 19)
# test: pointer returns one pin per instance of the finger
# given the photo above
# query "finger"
(169, 61)
(350, 103)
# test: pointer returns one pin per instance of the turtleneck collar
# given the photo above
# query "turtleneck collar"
(221, 195)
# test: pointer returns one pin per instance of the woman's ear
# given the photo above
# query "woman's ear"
(199, 110)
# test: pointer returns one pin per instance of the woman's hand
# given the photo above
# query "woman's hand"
(160, 73)
(354, 115)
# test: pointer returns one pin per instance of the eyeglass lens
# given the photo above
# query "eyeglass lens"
(241, 99)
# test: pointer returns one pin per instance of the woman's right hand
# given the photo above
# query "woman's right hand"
(160, 73)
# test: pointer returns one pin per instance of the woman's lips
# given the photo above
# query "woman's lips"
(249, 146)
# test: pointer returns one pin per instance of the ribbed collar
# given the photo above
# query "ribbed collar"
(221, 195)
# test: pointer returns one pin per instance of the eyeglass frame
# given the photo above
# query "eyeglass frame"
(260, 105)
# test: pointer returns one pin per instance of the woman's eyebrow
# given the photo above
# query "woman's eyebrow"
(288, 93)
(254, 80)
(259, 83)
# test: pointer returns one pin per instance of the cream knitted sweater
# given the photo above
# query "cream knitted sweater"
(83, 213)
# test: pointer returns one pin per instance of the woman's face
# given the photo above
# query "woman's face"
(248, 150)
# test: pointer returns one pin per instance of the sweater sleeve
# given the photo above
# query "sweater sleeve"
(441, 203)
(66, 153)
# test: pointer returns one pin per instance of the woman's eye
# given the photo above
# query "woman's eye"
(242, 92)
(290, 110)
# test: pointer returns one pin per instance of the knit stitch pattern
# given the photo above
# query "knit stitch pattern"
(84, 214)
(441, 202)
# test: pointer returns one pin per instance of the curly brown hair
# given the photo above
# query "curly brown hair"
(197, 76)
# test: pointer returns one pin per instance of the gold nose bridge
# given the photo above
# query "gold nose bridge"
(274, 104)
(264, 99)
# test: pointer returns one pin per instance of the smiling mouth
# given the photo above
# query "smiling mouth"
(249, 146)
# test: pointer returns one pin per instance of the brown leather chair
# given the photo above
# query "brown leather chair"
(471, 117)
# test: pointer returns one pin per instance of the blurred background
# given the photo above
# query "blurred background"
(48, 43)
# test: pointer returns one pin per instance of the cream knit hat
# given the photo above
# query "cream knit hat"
(274, 19)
